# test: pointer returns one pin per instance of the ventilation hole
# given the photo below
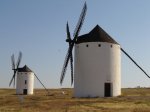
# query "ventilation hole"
(111, 46)
(87, 45)
(99, 45)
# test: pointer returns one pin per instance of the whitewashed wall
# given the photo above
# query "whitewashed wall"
(21, 77)
(94, 66)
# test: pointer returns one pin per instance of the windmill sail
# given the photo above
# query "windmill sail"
(71, 44)
(13, 67)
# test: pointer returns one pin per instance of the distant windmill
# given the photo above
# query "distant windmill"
(25, 77)
(97, 62)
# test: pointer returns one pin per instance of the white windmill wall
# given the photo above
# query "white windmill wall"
(25, 80)
(97, 63)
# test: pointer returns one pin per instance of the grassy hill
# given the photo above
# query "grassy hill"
(61, 100)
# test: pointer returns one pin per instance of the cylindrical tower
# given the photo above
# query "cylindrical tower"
(97, 65)
(25, 81)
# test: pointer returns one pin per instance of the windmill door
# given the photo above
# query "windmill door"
(25, 91)
(107, 89)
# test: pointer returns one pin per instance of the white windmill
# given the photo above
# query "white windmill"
(25, 81)
(25, 77)
(97, 62)
(97, 65)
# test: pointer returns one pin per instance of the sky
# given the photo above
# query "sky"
(37, 28)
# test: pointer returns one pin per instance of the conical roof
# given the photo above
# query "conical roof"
(96, 35)
(24, 69)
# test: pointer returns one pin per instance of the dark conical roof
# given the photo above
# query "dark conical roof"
(24, 69)
(96, 35)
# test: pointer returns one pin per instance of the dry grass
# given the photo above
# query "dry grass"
(131, 100)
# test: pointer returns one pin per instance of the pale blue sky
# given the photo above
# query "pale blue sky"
(37, 28)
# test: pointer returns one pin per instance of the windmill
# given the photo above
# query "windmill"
(25, 77)
(97, 62)
(71, 42)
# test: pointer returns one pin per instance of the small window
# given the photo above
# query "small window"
(25, 82)
(87, 45)
(111, 46)
(99, 45)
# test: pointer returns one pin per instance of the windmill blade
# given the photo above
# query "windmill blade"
(75, 35)
(68, 32)
(71, 56)
(13, 62)
(64, 66)
(68, 56)
(66, 62)
(134, 62)
(80, 22)
(14, 80)
(41, 83)
(19, 59)
(11, 80)
(71, 65)
(13, 77)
